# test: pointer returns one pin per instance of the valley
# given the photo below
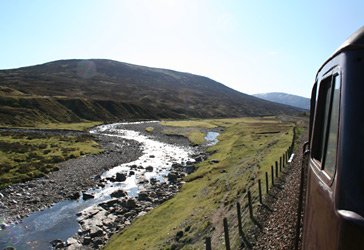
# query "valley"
(121, 156)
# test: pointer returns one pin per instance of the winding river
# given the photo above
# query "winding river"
(60, 221)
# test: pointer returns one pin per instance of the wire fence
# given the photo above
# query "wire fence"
(254, 196)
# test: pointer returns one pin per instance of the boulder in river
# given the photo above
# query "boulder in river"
(149, 169)
(118, 194)
(120, 177)
(86, 196)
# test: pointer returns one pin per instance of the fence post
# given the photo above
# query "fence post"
(250, 205)
(238, 209)
(208, 243)
(283, 160)
(260, 191)
(280, 164)
(276, 169)
(243, 240)
(266, 183)
(226, 231)
(272, 175)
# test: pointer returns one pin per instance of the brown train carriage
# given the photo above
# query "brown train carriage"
(334, 207)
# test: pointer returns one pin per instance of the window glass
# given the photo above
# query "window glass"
(321, 118)
(330, 156)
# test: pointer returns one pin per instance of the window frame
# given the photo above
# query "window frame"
(320, 164)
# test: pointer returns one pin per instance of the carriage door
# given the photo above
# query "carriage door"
(320, 228)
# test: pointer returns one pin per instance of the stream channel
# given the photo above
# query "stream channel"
(60, 221)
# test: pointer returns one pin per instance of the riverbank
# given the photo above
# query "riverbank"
(77, 176)
(74, 176)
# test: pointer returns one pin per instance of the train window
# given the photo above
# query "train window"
(330, 156)
(321, 118)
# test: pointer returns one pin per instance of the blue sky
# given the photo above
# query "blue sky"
(251, 46)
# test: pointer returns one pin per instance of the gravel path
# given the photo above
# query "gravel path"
(279, 226)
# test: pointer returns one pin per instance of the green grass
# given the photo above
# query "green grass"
(149, 129)
(190, 123)
(246, 148)
(194, 135)
(27, 156)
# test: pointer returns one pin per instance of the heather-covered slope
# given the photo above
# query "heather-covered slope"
(76, 90)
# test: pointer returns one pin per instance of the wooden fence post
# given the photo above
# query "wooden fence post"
(266, 183)
(280, 164)
(250, 205)
(226, 231)
(276, 169)
(272, 175)
(243, 240)
(283, 160)
(260, 191)
(208, 243)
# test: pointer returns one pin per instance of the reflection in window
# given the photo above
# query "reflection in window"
(321, 118)
(330, 158)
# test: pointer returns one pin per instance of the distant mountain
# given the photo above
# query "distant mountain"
(287, 99)
(76, 90)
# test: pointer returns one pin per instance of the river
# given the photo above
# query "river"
(60, 221)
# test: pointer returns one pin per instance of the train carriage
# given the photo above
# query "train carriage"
(334, 207)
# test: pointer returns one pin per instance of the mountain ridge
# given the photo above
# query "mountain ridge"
(111, 90)
(285, 98)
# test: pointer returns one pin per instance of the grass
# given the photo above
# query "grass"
(195, 135)
(27, 156)
(81, 126)
(149, 129)
(246, 149)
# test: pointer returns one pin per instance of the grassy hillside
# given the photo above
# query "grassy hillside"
(77, 90)
(246, 149)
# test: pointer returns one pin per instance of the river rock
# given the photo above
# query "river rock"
(118, 194)
(130, 203)
(153, 181)
(190, 169)
(57, 244)
(2, 226)
(73, 244)
(120, 177)
(111, 203)
(176, 165)
(149, 169)
(214, 161)
(131, 173)
(143, 196)
(172, 177)
(74, 196)
(86, 196)
(96, 232)
(133, 167)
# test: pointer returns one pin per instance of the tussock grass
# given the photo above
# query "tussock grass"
(246, 148)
